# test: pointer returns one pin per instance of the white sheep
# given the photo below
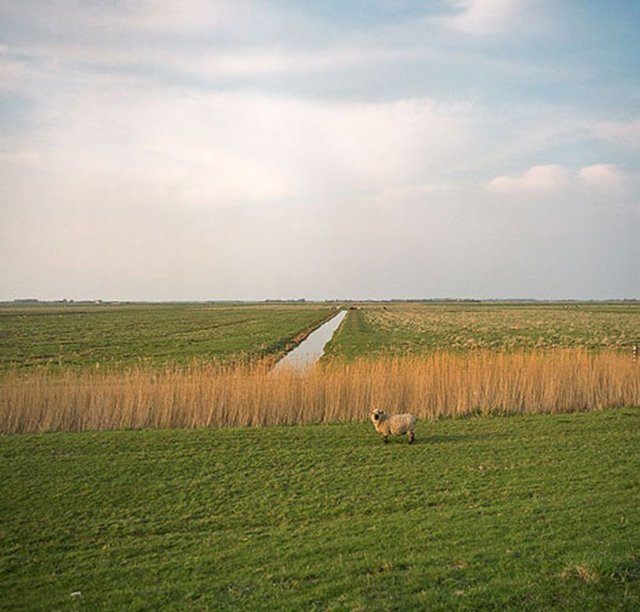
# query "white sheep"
(393, 424)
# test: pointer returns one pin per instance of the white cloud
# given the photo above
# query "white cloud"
(268, 61)
(484, 17)
(169, 15)
(593, 182)
(240, 39)
(252, 148)
(205, 148)
(621, 132)
(547, 178)
(74, 18)
(602, 176)
(205, 62)
(12, 73)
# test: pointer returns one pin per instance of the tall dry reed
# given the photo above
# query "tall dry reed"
(215, 395)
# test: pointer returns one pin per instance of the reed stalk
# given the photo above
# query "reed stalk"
(443, 384)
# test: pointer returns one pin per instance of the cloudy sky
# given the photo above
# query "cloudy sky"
(194, 149)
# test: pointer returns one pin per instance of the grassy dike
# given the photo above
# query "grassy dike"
(527, 512)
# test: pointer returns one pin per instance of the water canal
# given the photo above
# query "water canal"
(309, 351)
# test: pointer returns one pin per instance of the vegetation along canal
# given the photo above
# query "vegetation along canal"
(309, 351)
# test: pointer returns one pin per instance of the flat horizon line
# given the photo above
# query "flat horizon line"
(116, 301)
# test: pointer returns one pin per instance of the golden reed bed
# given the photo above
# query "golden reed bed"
(216, 395)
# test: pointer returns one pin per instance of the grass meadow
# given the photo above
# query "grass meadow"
(151, 459)
(422, 327)
(117, 335)
(522, 512)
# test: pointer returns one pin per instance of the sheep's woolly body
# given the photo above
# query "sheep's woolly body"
(393, 424)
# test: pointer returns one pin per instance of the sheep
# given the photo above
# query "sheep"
(393, 424)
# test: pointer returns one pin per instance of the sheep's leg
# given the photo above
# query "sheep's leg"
(411, 437)
(385, 439)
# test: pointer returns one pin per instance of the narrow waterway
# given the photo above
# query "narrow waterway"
(309, 351)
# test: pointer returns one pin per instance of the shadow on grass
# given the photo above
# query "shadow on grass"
(448, 438)
(439, 439)
(627, 570)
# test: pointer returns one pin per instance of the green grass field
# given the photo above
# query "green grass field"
(400, 328)
(83, 335)
(532, 512)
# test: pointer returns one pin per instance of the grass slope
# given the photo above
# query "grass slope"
(521, 512)
(83, 335)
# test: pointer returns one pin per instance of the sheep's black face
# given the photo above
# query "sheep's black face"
(375, 415)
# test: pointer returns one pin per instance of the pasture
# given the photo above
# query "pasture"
(190, 365)
(421, 327)
(116, 335)
(521, 512)
(221, 499)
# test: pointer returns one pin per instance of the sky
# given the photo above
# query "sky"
(250, 149)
